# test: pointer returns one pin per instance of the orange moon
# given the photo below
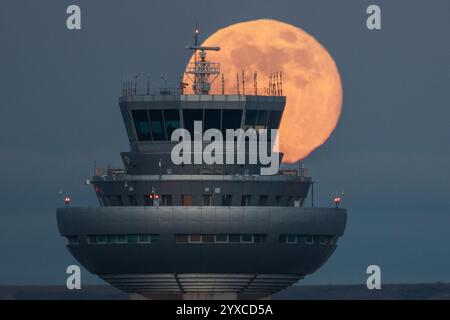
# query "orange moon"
(311, 81)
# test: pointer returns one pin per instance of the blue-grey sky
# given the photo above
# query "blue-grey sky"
(390, 151)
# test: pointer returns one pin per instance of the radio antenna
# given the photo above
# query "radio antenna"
(243, 82)
(237, 82)
(202, 70)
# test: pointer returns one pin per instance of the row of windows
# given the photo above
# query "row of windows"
(204, 238)
(206, 200)
(123, 238)
(158, 124)
(306, 239)
(155, 124)
(220, 238)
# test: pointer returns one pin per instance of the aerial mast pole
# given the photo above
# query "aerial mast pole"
(202, 69)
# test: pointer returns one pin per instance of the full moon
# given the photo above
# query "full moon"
(311, 81)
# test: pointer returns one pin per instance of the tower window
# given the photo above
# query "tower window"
(250, 119)
(274, 120)
(157, 125)
(208, 238)
(191, 115)
(143, 238)
(207, 200)
(309, 239)
(221, 238)
(132, 238)
(289, 201)
(186, 200)
(172, 120)
(262, 119)
(195, 238)
(166, 200)
(142, 125)
(323, 239)
(291, 239)
(234, 238)
(278, 199)
(259, 237)
(226, 200)
(212, 119)
(231, 119)
(263, 200)
(72, 239)
(181, 238)
(121, 238)
(101, 239)
(247, 238)
(132, 200)
(245, 200)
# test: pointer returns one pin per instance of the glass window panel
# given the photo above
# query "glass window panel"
(231, 119)
(101, 239)
(154, 238)
(92, 239)
(111, 239)
(259, 237)
(221, 238)
(263, 200)
(189, 116)
(144, 238)
(172, 120)
(245, 200)
(72, 239)
(291, 238)
(132, 200)
(186, 200)
(226, 199)
(181, 238)
(208, 238)
(274, 120)
(278, 200)
(195, 238)
(289, 201)
(166, 200)
(250, 118)
(323, 239)
(121, 238)
(309, 239)
(262, 119)
(132, 238)
(157, 125)
(141, 123)
(300, 238)
(206, 200)
(234, 238)
(212, 119)
(247, 238)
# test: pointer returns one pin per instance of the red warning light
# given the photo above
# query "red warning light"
(67, 201)
(151, 196)
(337, 201)
(156, 197)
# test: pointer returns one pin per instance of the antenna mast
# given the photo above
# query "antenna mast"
(202, 70)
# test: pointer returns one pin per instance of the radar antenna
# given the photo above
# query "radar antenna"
(204, 72)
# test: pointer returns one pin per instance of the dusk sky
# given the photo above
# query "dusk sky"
(390, 151)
